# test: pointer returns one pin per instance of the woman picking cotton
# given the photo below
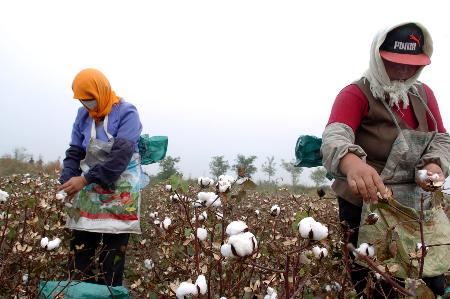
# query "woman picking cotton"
(102, 174)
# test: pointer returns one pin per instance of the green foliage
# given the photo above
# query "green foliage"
(318, 176)
(168, 167)
(177, 183)
(246, 164)
(218, 166)
(295, 172)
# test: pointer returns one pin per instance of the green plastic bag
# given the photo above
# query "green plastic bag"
(307, 151)
(80, 290)
(152, 149)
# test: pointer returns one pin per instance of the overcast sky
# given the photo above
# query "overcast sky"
(217, 77)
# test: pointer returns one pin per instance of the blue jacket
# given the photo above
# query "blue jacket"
(123, 124)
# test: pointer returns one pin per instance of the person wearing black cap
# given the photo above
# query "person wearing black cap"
(382, 130)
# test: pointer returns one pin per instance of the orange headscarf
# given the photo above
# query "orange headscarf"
(92, 84)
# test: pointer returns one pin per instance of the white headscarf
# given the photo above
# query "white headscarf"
(380, 84)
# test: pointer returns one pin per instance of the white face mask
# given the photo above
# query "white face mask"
(89, 104)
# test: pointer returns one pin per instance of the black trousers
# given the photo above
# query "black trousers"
(110, 256)
(352, 215)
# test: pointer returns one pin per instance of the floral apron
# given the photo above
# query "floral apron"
(113, 208)
(396, 233)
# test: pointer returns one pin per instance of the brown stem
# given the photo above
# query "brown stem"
(375, 268)
(422, 239)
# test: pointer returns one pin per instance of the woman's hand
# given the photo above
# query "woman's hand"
(362, 178)
(73, 185)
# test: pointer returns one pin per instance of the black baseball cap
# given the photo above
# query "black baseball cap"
(404, 44)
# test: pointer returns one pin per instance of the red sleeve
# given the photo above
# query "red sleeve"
(434, 108)
(349, 107)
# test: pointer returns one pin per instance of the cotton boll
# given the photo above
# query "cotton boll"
(53, 244)
(213, 200)
(226, 178)
(219, 215)
(61, 195)
(366, 249)
(419, 246)
(149, 264)
(319, 230)
(257, 212)
(422, 174)
(202, 233)
(319, 252)
(25, 278)
(201, 284)
(186, 288)
(203, 216)
(166, 223)
(244, 244)
(223, 186)
(156, 222)
(304, 226)
(275, 210)
(271, 293)
(168, 188)
(236, 227)
(44, 242)
(205, 182)
(3, 195)
(226, 251)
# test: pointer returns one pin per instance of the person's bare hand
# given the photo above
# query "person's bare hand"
(73, 185)
(362, 178)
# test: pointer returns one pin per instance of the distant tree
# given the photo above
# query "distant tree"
(168, 167)
(269, 167)
(295, 172)
(40, 161)
(318, 176)
(31, 161)
(244, 165)
(218, 166)
(20, 154)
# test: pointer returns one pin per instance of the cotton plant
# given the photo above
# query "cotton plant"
(153, 214)
(319, 252)
(202, 233)
(240, 245)
(25, 278)
(309, 228)
(208, 199)
(372, 218)
(275, 210)
(3, 196)
(205, 182)
(50, 245)
(187, 288)
(166, 223)
(149, 264)
(61, 195)
(241, 242)
(224, 183)
(433, 181)
(271, 293)
(366, 249)
(200, 217)
(236, 227)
